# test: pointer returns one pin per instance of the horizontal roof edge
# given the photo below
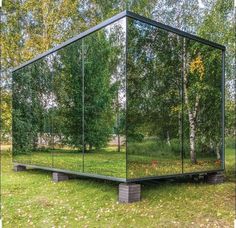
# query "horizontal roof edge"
(174, 30)
(73, 39)
(112, 20)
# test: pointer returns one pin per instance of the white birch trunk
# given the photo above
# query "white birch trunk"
(192, 112)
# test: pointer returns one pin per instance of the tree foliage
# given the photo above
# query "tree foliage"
(32, 27)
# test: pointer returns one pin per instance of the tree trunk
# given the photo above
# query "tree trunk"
(180, 132)
(90, 147)
(192, 112)
(118, 120)
(118, 137)
(217, 149)
(168, 138)
(192, 138)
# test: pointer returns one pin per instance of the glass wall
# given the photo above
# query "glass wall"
(41, 93)
(69, 106)
(130, 100)
(174, 103)
(22, 137)
(104, 101)
(154, 92)
(202, 107)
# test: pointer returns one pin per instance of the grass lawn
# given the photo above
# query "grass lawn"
(108, 162)
(31, 199)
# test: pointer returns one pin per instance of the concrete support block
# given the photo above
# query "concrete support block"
(215, 178)
(19, 168)
(129, 192)
(56, 177)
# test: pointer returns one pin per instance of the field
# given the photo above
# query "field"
(31, 199)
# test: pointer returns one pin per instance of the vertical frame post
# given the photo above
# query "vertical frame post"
(83, 103)
(223, 109)
(126, 100)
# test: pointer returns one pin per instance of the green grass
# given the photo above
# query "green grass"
(104, 162)
(31, 199)
(112, 163)
(150, 157)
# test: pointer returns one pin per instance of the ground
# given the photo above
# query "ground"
(31, 199)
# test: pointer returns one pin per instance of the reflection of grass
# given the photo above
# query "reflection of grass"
(141, 156)
(109, 162)
(31, 199)
(141, 166)
(104, 162)
(151, 148)
(203, 164)
(112, 163)
(144, 169)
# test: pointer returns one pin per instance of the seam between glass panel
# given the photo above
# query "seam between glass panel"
(182, 105)
(82, 105)
(126, 100)
(223, 109)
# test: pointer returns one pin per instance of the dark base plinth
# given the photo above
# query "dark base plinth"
(129, 193)
(215, 178)
(56, 177)
(19, 168)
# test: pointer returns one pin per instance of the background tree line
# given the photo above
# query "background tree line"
(31, 27)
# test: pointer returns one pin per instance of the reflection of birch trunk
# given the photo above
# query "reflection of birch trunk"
(118, 121)
(180, 130)
(118, 142)
(192, 112)
(168, 137)
(118, 131)
(217, 150)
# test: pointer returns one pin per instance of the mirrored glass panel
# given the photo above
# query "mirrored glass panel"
(41, 88)
(22, 116)
(202, 107)
(154, 101)
(67, 113)
(129, 100)
(104, 101)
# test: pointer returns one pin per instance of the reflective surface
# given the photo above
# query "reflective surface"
(202, 107)
(22, 116)
(154, 101)
(76, 106)
(67, 107)
(129, 101)
(104, 101)
(41, 87)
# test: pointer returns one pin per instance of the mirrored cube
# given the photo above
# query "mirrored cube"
(127, 100)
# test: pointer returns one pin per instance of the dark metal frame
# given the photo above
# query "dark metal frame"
(113, 19)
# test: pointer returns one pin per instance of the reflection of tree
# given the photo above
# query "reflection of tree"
(156, 60)
(102, 84)
(154, 82)
(100, 55)
(202, 80)
(195, 66)
(21, 111)
(48, 94)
